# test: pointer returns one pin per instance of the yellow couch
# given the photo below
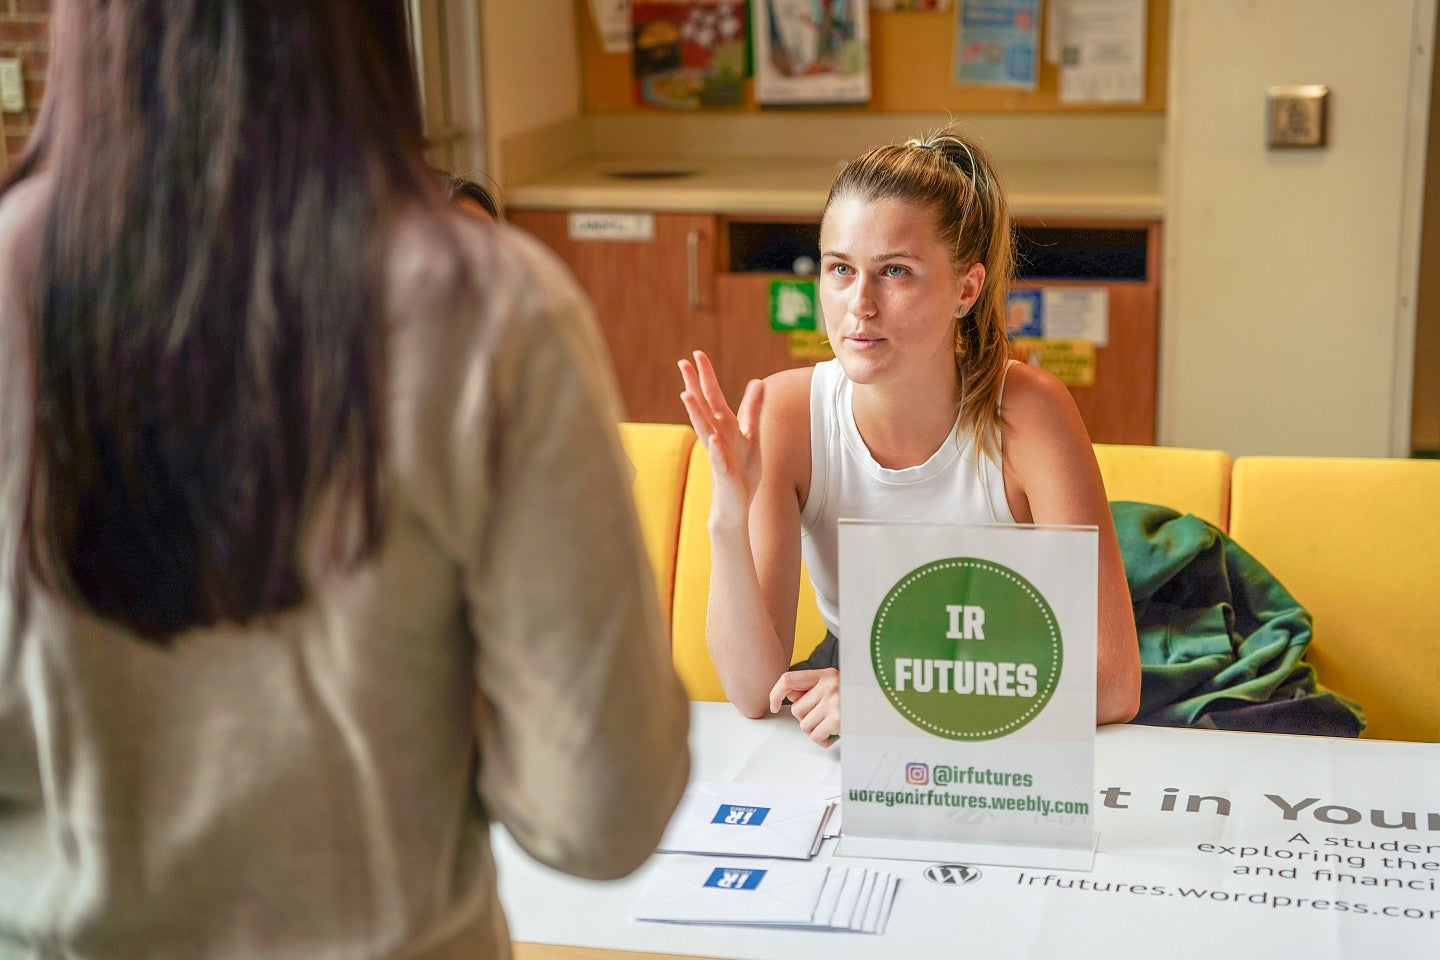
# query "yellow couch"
(1353, 540)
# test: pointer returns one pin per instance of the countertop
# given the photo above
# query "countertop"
(789, 186)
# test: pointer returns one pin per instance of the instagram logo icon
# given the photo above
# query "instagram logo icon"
(917, 774)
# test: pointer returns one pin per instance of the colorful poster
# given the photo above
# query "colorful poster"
(967, 668)
(689, 53)
(997, 43)
(811, 51)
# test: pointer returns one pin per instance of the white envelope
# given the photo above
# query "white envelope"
(719, 890)
(876, 906)
(862, 905)
(829, 897)
(746, 820)
(832, 810)
(849, 899)
(886, 902)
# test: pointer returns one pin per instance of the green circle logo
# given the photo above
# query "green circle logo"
(966, 649)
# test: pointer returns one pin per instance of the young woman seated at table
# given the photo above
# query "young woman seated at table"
(921, 415)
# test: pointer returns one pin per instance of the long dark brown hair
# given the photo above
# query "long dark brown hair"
(207, 336)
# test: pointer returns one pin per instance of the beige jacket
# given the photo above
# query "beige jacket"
(322, 785)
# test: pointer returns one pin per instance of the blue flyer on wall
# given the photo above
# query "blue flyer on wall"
(997, 43)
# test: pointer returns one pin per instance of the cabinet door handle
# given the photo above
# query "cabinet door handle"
(692, 263)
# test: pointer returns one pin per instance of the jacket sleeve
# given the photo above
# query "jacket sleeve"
(582, 721)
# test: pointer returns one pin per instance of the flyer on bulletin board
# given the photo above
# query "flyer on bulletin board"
(997, 43)
(689, 53)
(1101, 49)
(811, 51)
(967, 668)
(1060, 312)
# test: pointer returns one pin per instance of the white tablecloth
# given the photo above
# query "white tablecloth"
(1213, 846)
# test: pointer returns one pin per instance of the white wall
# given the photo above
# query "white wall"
(1288, 304)
(532, 68)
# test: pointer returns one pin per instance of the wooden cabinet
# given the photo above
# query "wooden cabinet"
(655, 300)
(1120, 407)
(659, 299)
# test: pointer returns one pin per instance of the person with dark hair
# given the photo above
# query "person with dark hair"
(921, 416)
(472, 196)
(317, 547)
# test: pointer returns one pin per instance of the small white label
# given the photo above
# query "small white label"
(12, 86)
(592, 225)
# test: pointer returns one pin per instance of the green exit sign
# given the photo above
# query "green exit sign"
(793, 305)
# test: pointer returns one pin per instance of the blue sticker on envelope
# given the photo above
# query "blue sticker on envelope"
(740, 816)
(735, 878)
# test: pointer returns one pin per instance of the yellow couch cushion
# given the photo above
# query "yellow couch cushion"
(1357, 543)
(660, 453)
(1187, 480)
(692, 592)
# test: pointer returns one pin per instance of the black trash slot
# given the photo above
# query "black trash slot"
(774, 246)
(1082, 253)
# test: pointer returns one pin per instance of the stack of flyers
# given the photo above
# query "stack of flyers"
(769, 894)
(750, 820)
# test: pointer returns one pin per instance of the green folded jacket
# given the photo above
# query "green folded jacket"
(1222, 642)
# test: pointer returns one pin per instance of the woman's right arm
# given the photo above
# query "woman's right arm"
(759, 458)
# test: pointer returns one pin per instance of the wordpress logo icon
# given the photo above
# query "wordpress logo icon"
(917, 774)
(952, 874)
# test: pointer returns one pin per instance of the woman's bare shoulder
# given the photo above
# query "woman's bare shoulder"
(1034, 400)
(1040, 419)
(787, 402)
(790, 386)
(1030, 389)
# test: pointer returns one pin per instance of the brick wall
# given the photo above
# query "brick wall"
(23, 34)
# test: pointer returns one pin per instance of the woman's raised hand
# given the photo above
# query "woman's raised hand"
(732, 439)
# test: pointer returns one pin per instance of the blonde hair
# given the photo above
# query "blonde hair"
(955, 180)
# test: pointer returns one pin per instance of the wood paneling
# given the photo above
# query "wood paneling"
(643, 297)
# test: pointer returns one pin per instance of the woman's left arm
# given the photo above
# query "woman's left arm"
(1051, 477)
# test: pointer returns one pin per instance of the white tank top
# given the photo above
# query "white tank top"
(846, 482)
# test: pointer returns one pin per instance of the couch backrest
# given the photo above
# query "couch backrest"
(692, 592)
(1191, 481)
(1358, 544)
(661, 455)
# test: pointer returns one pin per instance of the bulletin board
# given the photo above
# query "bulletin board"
(910, 72)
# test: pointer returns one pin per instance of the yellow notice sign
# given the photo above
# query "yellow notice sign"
(1071, 361)
(809, 345)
